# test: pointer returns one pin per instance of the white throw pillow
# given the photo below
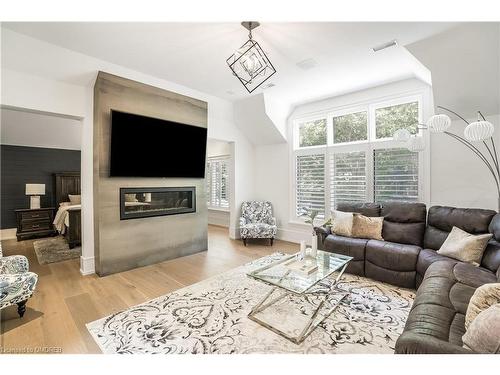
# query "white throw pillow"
(342, 223)
(464, 246)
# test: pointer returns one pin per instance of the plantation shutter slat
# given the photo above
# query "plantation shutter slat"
(218, 182)
(347, 177)
(395, 175)
(310, 183)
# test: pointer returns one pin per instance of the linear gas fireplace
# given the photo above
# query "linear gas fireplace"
(146, 202)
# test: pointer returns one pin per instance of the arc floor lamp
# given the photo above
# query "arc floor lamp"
(476, 134)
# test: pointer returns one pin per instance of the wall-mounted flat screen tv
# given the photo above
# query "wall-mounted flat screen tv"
(148, 147)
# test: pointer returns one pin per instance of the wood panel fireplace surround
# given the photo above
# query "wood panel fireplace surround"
(146, 202)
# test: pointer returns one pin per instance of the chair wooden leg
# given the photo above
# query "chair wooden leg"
(272, 240)
(244, 241)
(21, 308)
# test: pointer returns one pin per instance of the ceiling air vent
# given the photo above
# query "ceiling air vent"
(380, 47)
(307, 64)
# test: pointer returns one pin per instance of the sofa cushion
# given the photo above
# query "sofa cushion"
(428, 256)
(391, 262)
(442, 219)
(436, 321)
(354, 247)
(491, 256)
(367, 209)
(404, 223)
(393, 256)
(473, 276)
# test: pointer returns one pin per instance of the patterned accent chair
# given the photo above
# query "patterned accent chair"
(257, 221)
(17, 284)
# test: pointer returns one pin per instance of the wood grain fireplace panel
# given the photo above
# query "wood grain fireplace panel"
(125, 244)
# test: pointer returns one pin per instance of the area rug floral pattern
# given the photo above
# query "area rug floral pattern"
(211, 317)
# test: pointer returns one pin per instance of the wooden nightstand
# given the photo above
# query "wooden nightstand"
(35, 223)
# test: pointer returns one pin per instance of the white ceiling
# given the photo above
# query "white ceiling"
(194, 54)
(465, 66)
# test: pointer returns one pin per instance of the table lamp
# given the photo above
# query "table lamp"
(34, 191)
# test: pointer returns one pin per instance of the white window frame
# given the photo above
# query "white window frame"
(227, 159)
(368, 146)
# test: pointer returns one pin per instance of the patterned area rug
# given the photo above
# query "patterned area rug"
(54, 249)
(211, 317)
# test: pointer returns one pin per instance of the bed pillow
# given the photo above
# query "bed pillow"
(367, 227)
(464, 246)
(484, 296)
(482, 335)
(342, 223)
(75, 199)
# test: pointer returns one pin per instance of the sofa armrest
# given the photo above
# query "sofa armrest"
(272, 220)
(416, 343)
(14, 264)
(322, 233)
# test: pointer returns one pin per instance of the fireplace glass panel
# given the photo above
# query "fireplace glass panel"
(145, 202)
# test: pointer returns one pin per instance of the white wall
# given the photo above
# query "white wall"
(465, 66)
(273, 174)
(458, 177)
(217, 148)
(34, 129)
(38, 75)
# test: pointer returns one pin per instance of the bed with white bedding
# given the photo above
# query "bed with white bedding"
(68, 218)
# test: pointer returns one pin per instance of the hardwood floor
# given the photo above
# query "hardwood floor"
(65, 300)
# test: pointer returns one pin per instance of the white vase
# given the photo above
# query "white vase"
(314, 246)
(302, 249)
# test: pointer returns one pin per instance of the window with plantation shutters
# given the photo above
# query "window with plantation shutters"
(347, 177)
(217, 181)
(395, 175)
(310, 184)
(348, 155)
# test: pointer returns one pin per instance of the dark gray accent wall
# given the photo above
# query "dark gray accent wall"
(21, 165)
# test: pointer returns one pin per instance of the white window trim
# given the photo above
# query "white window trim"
(371, 144)
(227, 158)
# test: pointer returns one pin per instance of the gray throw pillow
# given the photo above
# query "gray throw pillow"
(464, 246)
(483, 335)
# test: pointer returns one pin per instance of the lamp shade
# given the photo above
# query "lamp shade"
(35, 189)
(479, 131)
(438, 123)
(415, 144)
(401, 135)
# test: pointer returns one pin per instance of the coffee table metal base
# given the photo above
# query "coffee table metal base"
(311, 324)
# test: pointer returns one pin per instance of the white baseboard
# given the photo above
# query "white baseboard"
(87, 265)
(8, 234)
(294, 236)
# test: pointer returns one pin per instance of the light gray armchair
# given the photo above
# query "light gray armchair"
(257, 221)
(17, 284)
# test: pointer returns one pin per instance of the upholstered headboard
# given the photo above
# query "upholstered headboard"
(67, 183)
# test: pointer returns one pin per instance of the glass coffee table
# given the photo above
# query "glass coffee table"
(299, 300)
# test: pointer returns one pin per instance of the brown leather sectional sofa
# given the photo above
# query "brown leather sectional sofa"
(407, 257)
